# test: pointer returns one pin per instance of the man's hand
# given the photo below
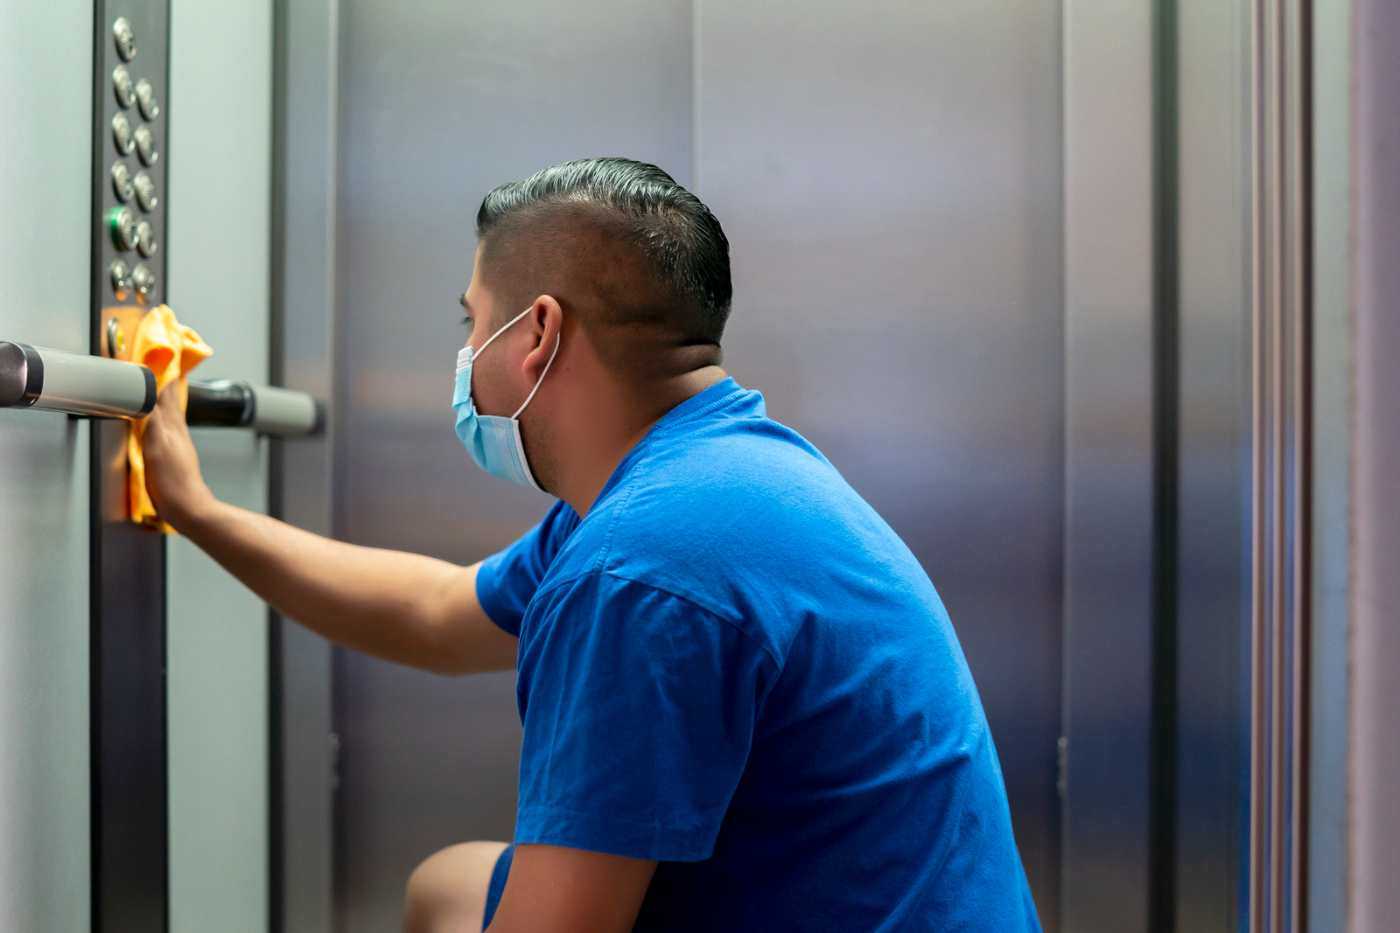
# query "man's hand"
(173, 480)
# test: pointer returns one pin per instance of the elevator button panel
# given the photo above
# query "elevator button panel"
(130, 210)
(130, 870)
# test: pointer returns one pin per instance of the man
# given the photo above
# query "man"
(744, 705)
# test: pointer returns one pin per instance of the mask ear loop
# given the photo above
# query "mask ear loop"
(504, 327)
(557, 339)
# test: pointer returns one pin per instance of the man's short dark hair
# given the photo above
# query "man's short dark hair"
(683, 250)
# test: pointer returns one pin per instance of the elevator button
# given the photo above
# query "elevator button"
(121, 84)
(121, 222)
(146, 145)
(121, 182)
(145, 192)
(121, 275)
(146, 239)
(122, 135)
(125, 38)
(146, 97)
(143, 278)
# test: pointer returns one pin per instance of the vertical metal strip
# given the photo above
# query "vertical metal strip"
(1300, 365)
(1258, 795)
(1166, 442)
(1281, 301)
(305, 38)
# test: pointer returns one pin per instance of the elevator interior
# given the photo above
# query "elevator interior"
(993, 259)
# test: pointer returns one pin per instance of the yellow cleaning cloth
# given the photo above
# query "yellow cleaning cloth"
(170, 350)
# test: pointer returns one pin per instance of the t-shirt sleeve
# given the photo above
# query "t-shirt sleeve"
(639, 710)
(508, 579)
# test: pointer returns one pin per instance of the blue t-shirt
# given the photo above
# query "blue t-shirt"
(734, 666)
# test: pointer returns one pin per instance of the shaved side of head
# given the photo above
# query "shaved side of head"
(642, 262)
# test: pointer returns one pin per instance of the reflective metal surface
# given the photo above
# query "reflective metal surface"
(428, 761)
(897, 299)
(121, 134)
(45, 776)
(146, 98)
(146, 145)
(145, 188)
(125, 37)
(122, 185)
(305, 59)
(122, 86)
(1330, 702)
(1375, 897)
(1109, 450)
(1213, 600)
(897, 282)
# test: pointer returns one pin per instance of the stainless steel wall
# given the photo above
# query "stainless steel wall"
(889, 179)
(437, 106)
(1212, 190)
(45, 865)
(889, 174)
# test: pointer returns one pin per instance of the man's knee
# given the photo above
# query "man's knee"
(447, 891)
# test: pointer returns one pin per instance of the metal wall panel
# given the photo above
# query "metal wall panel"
(437, 106)
(306, 43)
(1374, 897)
(1332, 495)
(888, 174)
(1212, 625)
(45, 834)
(220, 101)
(1109, 459)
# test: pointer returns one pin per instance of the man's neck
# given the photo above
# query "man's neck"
(605, 442)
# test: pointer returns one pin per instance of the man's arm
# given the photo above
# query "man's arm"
(571, 891)
(403, 607)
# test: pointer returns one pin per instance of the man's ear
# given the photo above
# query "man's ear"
(546, 322)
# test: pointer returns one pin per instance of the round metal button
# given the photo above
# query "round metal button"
(146, 97)
(121, 84)
(121, 275)
(146, 145)
(122, 135)
(143, 278)
(125, 38)
(145, 192)
(122, 224)
(116, 340)
(146, 243)
(121, 182)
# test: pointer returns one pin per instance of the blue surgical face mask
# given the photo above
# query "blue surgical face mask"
(493, 440)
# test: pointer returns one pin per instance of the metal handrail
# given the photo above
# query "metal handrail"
(45, 379)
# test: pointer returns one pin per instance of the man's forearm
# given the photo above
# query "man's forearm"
(377, 601)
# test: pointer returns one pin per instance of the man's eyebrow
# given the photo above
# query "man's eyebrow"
(462, 300)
